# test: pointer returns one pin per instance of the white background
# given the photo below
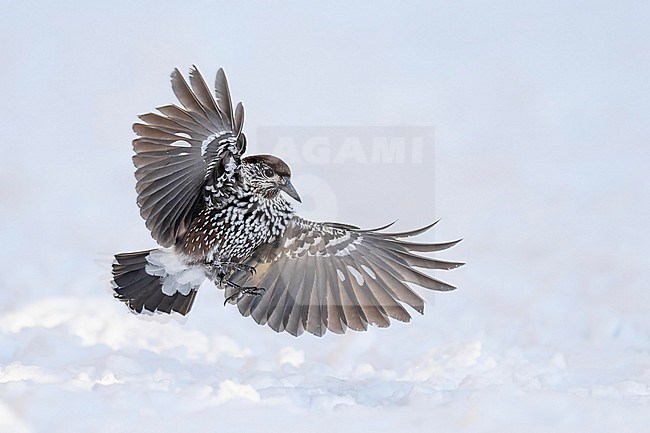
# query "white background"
(541, 118)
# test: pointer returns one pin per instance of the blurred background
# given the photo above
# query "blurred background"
(539, 160)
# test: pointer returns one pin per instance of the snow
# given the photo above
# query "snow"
(541, 165)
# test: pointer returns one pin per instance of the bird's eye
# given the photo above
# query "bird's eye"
(267, 172)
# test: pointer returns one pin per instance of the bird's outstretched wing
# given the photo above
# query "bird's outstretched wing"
(182, 148)
(321, 276)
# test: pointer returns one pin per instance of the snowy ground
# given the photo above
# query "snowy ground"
(541, 165)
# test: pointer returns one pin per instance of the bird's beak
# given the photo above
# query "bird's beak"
(290, 190)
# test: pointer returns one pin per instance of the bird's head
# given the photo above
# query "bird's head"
(267, 175)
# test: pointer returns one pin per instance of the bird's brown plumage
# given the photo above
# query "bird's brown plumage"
(220, 215)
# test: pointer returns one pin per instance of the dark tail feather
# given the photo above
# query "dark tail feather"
(142, 291)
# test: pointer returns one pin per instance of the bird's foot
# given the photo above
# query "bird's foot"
(218, 271)
(241, 291)
(232, 266)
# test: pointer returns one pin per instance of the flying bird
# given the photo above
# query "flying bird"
(220, 215)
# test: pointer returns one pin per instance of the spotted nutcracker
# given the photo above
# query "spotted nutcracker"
(220, 215)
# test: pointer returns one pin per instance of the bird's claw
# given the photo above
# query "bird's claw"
(239, 267)
(220, 271)
(241, 291)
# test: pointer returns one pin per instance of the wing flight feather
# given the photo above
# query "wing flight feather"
(329, 276)
(181, 148)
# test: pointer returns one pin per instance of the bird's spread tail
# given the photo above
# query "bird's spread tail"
(155, 281)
